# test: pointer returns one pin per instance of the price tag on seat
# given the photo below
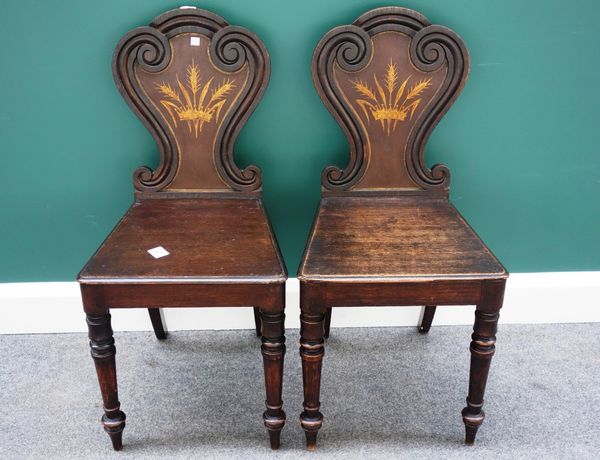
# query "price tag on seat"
(158, 252)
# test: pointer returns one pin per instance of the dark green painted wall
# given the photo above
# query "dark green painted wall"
(522, 142)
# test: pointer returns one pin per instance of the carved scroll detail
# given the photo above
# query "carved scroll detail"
(429, 49)
(351, 48)
(150, 49)
(232, 47)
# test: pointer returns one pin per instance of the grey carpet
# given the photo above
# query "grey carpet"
(386, 393)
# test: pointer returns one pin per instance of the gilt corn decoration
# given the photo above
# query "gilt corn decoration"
(390, 103)
(192, 103)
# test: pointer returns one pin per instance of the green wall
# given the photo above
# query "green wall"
(522, 142)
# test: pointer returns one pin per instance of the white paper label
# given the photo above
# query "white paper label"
(195, 41)
(158, 252)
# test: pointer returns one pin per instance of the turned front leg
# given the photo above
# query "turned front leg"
(312, 332)
(273, 351)
(103, 352)
(483, 347)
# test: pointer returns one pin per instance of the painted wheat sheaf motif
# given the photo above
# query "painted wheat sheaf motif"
(392, 102)
(191, 102)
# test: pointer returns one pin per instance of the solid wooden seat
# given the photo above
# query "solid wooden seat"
(394, 238)
(204, 238)
(385, 233)
(193, 80)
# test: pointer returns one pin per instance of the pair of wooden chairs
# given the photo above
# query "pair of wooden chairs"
(197, 234)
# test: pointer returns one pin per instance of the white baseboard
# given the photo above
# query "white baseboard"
(555, 297)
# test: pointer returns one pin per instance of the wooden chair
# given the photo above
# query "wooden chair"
(193, 80)
(385, 232)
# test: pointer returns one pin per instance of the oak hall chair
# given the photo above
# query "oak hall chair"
(193, 80)
(385, 232)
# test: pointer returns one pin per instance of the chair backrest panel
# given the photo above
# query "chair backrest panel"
(388, 79)
(193, 80)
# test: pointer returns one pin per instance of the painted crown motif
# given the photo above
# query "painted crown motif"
(190, 104)
(391, 103)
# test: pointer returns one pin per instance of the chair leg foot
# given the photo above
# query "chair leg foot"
(158, 323)
(274, 438)
(311, 440)
(274, 419)
(114, 428)
(427, 314)
(471, 429)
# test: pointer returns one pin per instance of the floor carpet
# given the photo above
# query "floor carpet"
(386, 393)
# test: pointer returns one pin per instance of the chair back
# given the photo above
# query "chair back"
(193, 80)
(388, 79)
